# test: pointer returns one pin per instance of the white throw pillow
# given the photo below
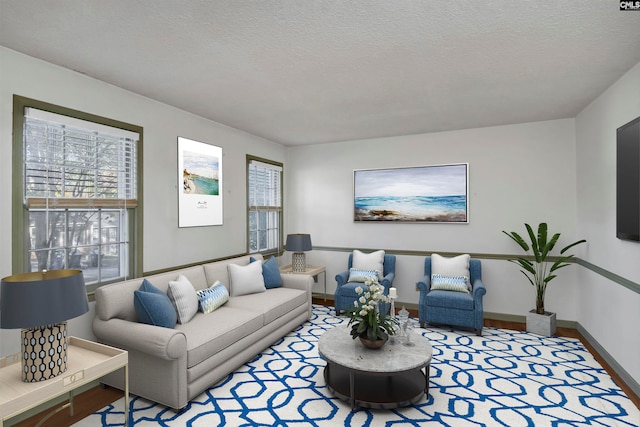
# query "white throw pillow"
(371, 261)
(451, 267)
(246, 279)
(184, 298)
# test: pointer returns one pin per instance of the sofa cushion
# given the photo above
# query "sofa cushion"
(449, 283)
(153, 306)
(459, 300)
(272, 304)
(213, 297)
(370, 261)
(207, 334)
(183, 297)
(246, 279)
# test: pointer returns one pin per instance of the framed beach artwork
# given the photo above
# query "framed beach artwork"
(199, 184)
(420, 194)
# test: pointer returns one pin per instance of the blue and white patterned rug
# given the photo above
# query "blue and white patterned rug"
(504, 378)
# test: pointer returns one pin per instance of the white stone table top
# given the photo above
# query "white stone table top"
(337, 346)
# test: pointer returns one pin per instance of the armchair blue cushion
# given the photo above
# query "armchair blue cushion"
(452, 308)
(345, 294)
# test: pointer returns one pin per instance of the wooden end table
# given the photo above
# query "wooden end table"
(386, 378)
(311, 270)
(87, 361)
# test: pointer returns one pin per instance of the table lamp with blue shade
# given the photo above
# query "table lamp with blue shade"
(298, 244)
(40, 304)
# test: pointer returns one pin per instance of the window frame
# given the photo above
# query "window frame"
(280, 247)
(20, 211)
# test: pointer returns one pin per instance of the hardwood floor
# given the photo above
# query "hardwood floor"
(98, 397)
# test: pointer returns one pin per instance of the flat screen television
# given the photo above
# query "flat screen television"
(628, 181)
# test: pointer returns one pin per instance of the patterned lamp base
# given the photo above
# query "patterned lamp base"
(298, 262)
(44, 352)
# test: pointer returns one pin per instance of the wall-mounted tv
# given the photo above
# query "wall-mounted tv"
(628, 181)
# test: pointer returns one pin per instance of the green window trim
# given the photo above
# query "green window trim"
(20, 209)
(270, 206)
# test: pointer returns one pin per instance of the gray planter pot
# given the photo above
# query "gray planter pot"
(541, 324)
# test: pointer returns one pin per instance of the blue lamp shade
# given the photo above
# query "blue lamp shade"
(40, 304)
(298, 243)
(42, 298)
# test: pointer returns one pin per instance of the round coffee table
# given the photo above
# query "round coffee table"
(385, 378)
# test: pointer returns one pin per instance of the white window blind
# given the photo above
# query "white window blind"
(71, 162)
(80, 187)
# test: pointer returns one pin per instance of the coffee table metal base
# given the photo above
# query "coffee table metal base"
(377, 391)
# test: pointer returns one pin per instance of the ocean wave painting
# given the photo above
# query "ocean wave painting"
(417, 194)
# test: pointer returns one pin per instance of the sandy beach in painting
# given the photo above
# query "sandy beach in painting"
(411, 209)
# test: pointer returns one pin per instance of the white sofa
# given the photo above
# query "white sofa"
(171, 366)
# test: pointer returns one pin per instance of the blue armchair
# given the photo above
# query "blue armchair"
(452, 308)
(345, 294)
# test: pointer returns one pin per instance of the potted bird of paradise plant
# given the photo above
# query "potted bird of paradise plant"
(540, 268)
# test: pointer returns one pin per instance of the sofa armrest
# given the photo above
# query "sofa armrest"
(304, 282)
(387, 281)
(157, 341)
(478, 290)
(342, 278)
(424, 285)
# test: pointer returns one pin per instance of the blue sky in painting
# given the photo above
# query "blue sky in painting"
(444, 180)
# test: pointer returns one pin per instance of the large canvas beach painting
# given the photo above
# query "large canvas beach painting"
(413, 194)
(199, 183)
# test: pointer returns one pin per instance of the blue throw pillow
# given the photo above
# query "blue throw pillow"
(147, 286)
(153, 306)
(270, 273)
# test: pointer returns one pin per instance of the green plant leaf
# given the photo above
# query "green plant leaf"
(566, 248)
(534, 242)
(542, 239)
(519, 240)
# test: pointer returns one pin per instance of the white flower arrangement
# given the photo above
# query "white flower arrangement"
(366, 320)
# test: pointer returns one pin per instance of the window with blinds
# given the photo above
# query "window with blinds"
(264, 180)
(79, 187)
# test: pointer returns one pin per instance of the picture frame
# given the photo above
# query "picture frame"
(420, 194)
(199, 184)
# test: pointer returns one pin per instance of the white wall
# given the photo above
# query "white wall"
(164, 244)
(608, 311)
(520, 173)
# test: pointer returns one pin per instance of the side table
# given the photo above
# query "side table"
(86, 361)
(311, 270)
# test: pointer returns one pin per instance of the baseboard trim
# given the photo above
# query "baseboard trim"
(611, 361)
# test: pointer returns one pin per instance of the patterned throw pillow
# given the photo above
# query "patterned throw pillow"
(356, 275)
(449, 283)
(213, 297)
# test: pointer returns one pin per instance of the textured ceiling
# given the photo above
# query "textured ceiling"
(304, 72)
